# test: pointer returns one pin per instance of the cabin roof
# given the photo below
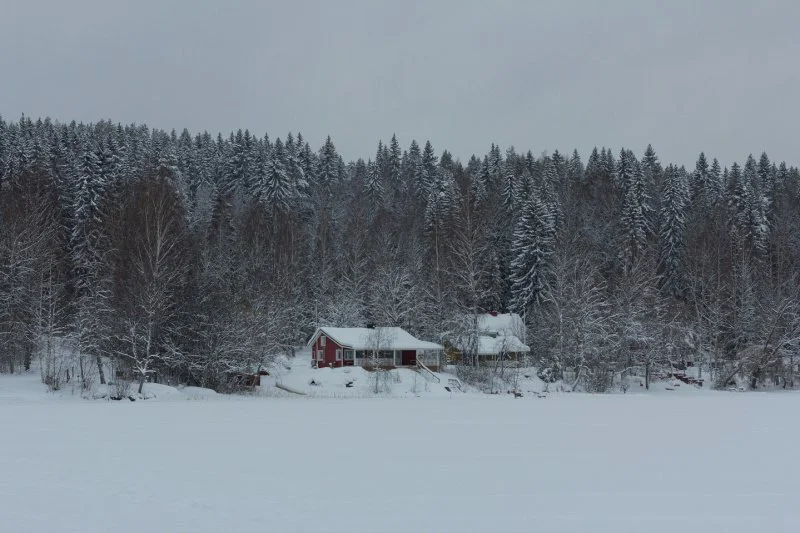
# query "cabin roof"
(379, 338)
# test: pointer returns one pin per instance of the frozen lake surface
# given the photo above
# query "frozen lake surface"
(700, 462)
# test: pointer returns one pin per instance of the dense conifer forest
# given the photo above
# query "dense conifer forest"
(197, 256)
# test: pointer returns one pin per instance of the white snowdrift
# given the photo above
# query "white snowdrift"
(298, 377)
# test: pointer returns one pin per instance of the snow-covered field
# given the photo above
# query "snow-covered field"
(705, 462)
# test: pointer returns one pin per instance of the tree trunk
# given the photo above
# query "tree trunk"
(141, 383)
(83, 375)
(100, 371)
(577, 378)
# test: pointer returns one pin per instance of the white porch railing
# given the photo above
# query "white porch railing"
(426, 372)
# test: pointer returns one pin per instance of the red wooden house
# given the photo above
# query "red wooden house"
(356, 346)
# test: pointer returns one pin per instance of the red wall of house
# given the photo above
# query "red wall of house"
(330, 352)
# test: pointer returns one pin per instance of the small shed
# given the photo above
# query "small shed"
(388, 346)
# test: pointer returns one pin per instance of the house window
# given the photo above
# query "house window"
(322, 340)
(348, 355)
(338, 354)
(320, 355)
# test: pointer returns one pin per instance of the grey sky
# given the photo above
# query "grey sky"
(719, 76)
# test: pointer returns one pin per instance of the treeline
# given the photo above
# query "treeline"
(200, 257)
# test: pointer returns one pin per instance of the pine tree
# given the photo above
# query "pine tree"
(416, 170)
(511, 190)
(738, 194)
(765, 174)
(593, 167)
(531, 249)
(88, 248)
(276, 187)
(758, 208)
(3, 150)
(87, 240)
(625, 170)
(575, 168)
(559, 165)
(241, 163)
(307, 161)
(440, 202)
(608, 166)
(477, 187)
(328, 170)
(650, 163)
(716, 184)
(298, 182)
(429, 167)
(633, 221)
(495, 162)
(373, 186)
(781, 175)
(700, 188)
(673, 232)
(393, 162)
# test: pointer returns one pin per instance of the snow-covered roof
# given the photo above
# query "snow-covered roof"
(500, 344)
(501, 323)
(488, 345)
(381, 338)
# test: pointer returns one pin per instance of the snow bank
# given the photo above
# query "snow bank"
(352, 381)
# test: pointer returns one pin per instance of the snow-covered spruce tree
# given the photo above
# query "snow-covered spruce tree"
(429, 168)
(575, 169)
(608, 166)
(593, 166)
(700, 184)
(531, 248)
(241, 161)
(298, 180)
(328, 169)
(275, 191)
(373, 187)
(633, 222)
(511, 189)
(393, 163)
(3, 149)
(759, 207)
(716, 185)
(738, 200)
(652, 174)
(495, 162)
(415, 170)
(307, 161)
(437, 217)
(89, 249)
(766, 176)
(673, 232)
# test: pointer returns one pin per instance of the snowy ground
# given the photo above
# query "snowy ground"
(297, 376)
(659, 462)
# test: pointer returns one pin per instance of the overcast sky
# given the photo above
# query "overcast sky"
(720, 76)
